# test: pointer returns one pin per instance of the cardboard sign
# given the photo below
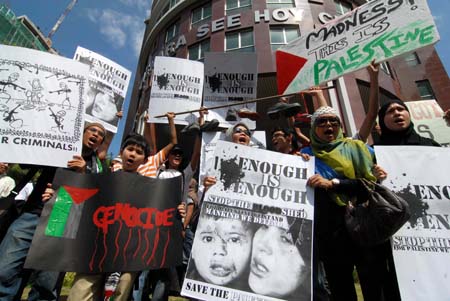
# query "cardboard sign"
(89, 227)
(379, 29)
(421, 248)
(41, 106)
(108, 85)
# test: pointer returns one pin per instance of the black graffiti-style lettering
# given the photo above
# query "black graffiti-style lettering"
(272, 168)
(328, 49)
(432, 192)
(43, 143)
(359, 17)
(274, 193)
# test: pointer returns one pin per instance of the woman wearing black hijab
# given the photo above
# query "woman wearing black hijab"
(397, 128)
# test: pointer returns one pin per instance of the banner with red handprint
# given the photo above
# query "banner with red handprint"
(108, 222)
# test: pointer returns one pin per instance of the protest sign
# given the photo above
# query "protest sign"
(421, 247)
(108, 85)
(379, 29)
(427, 117)
(42, 106)
(230, 78)
(209, 142)
(254, 236)
(100, 229)
(177, 85)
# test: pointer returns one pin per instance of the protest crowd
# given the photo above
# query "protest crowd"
(210, 211)
(278, 255)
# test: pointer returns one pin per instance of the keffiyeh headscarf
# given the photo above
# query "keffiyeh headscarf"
(343, 156)
(322, 111)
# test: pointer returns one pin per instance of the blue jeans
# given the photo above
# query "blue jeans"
(13, 252)
(187, 245)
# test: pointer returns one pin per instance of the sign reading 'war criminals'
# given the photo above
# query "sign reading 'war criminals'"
(379, 29)
(41, 106)
(258, 211)
(99, 229)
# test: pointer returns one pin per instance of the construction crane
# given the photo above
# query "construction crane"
(58, 23)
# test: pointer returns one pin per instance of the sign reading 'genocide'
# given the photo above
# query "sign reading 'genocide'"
(379, 30)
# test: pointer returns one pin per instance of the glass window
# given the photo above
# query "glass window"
(201, 13)
(172, 31)
(412, 59)
(274, 4)
(282, 35)
(197, 51)
(425, 90)
(240, 41)
(234, 4)
(172, 3)
(342, 7)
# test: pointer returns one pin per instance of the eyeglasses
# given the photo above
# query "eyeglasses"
(322, 121)
(241, 130)
(93, 130)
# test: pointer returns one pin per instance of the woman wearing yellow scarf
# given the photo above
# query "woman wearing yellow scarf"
(340, 162)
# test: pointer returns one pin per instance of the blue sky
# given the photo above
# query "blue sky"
(114, 29)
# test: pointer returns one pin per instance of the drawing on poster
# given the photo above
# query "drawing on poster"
(29, 90)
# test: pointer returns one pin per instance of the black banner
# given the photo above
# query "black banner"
(108, 222)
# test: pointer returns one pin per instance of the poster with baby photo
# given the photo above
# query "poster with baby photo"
(108, 86)
(253, 240)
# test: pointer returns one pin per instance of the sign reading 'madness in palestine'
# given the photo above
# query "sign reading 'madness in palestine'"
(380, 30)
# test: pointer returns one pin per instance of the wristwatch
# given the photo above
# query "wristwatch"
(335, 182)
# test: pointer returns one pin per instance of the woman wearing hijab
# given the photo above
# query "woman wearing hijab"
(340, 162)
(397, 127)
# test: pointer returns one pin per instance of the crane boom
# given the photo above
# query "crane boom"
(61, 19)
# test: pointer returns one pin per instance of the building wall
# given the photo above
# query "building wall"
(399, 82)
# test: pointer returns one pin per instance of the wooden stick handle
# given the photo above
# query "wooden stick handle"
(242, 102)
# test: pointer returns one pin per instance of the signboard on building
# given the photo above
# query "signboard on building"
(42, 106)
(177, 86)
(421, 247)
(108, 85)
(230, 78)
(428, 120)
(380, 30)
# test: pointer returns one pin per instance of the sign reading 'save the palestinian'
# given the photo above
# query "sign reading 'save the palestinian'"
(379, 29)
(177, 85)
(258, 211)
(41, 106)
(229, 78)
(421, 248)
(108, 85)
(89, 227)
(428, 122)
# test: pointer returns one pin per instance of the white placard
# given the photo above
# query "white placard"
(421, 248)
(108, 86)
(428, 122)
(230, 78)
(379, 29)
(42, 106)
(254, 236)
(177, 86)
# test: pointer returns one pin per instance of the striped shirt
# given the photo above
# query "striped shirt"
(149, 168)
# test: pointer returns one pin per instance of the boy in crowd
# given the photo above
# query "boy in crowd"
(90, 286)
(14, 247)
